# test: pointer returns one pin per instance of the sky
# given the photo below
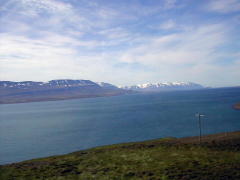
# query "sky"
(123, 42)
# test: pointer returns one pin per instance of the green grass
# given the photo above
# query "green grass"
(217, 158)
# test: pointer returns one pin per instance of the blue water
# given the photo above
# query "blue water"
(39, 129)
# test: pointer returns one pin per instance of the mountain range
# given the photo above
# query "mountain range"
(155, 87)
(29, 91)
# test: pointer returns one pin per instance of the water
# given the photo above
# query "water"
(41, 129)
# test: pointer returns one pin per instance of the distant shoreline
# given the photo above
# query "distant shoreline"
(54, 99)
(237, 106)
(18, 96)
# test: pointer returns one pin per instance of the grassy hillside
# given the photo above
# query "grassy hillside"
(218, 157)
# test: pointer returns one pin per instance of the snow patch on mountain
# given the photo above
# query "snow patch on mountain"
(67, 83)
(106, 85)
(163, 86)
(60, 83)
(52, 83)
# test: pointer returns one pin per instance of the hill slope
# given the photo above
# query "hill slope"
(218, 158)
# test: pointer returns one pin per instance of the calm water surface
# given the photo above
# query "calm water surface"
(41, 129)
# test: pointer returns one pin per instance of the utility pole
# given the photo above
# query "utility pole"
(200, 126)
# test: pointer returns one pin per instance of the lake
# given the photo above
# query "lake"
(39, 129)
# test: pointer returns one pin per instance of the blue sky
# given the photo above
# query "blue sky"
(121, 42)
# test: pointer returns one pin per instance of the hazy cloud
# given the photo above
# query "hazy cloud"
(121, 42)
(224, 6)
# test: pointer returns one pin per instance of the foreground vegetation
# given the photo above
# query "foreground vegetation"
(217, 158)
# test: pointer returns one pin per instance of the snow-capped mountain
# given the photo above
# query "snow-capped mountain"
(27, 91)
(154, 87)
(107, 85)
(53, 83)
